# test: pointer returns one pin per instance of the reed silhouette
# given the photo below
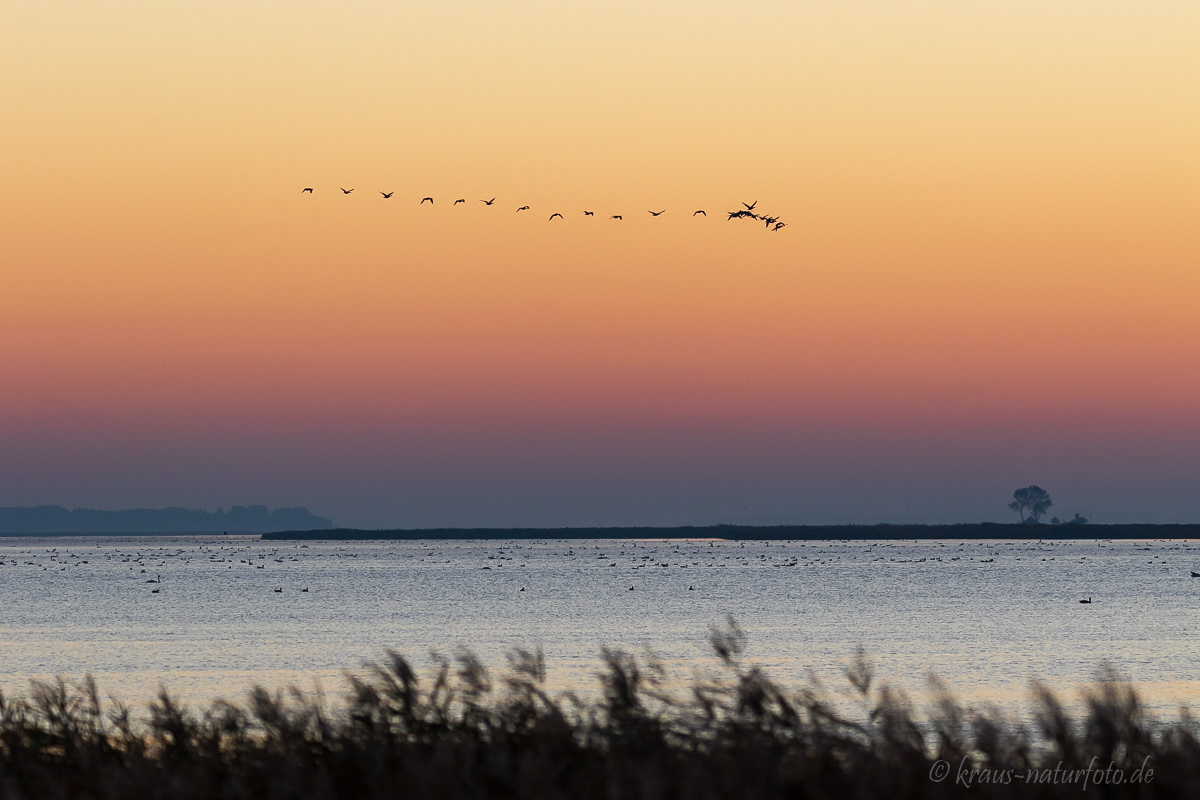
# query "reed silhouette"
(459, 732)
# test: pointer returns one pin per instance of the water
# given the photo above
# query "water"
(985, 617)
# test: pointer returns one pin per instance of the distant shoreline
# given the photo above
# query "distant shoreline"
(883, 532)
(131, 535)
(60, 521)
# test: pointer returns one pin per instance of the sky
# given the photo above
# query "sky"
(989, 277)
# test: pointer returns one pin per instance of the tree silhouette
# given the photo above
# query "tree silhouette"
(1033, 499)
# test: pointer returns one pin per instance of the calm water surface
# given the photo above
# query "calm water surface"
(985, 617)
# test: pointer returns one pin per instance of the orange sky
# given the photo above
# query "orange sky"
(992, 223)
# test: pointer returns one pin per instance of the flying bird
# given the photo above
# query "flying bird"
(656, 213)
(556, 214)
(616, 216)
(779, 225)
(346, 191)
(522, 208)
(750, 206)
(589, 213)
(386, 195)
(488, 202)
(456, 202)
(700, 211)
(306, 189)
(423, 199)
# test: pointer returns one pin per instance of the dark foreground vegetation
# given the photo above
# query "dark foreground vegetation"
(881, 532)
(460, 733)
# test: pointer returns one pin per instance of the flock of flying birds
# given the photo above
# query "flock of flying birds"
(770, 221)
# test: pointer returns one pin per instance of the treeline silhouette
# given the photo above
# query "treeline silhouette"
(461, 732)
(238, 519)
(799, 533)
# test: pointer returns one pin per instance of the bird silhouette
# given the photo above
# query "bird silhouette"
(699, 211)
(589, 213)
(616, 216)
(456, 202)
(552, 216)
(346, 191)
(488, 202)
(423, 199)
(386, 195)
(522, 208)
(750, 206)
(779, 225)
(656, 213)
(306, 189)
